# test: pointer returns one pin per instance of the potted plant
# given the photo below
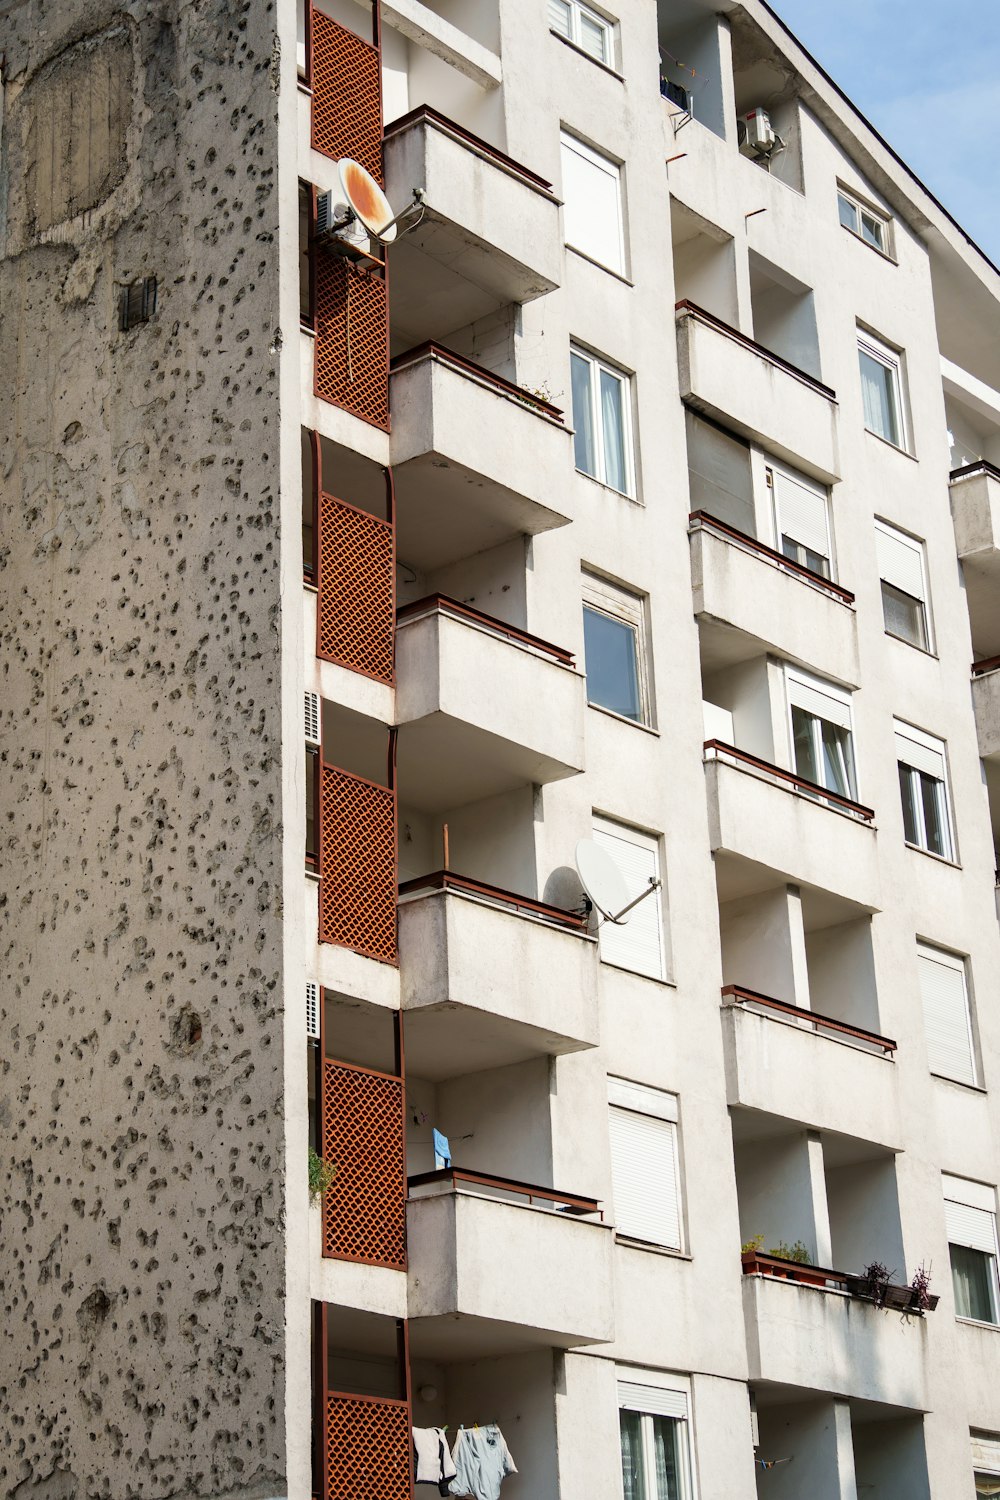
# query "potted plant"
(871, 1284)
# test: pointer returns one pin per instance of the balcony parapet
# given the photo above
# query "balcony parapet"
(444, 604)
(430, 350)
(460, 1179)
(734, 994)
(975, 506)
(892, 1295)
(491, 895)
(700, 520)
(719, 750)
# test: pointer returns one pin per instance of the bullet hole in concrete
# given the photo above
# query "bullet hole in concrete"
(93, 1311)
(185, 1030)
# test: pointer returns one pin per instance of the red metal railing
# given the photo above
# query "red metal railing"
(425, 114)
(352, 338)
(692, 308)
(367, 1446)
(980, 668)
(740, 996)
(445, 605)
(357, 864)
(571, 1202)
(801, 783)
(980, 466)
(431, 350)
(891, 1294)
(356, 584)
(363, 1136)
(699, 519)
(446, 880)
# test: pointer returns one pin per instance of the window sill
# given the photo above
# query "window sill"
(938, 859)
(958, 1083)
(884, 254)
(603, 485)
(604, 67)
(924, 650)
(623, 719)
(895, 447)
(667, 984)
(977, 1323)
(582, 255)
(628, 1243)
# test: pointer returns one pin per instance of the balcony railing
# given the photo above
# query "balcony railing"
(447, 880)
(692, 308)
(366, 1447)
(981, 466)
(980, 668)
(568, 1203)
(702, 519)
(357, 864)
(902, 1298)
(444, 604)
(719, 750)
(735, 994)
(363, 1135)
(488, 378)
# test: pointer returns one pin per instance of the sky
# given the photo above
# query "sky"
(926, 74)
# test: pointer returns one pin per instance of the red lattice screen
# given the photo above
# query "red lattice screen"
(347, 95)
(352, 339)
(355, 615)
(364, 1209)
(367, 1445)
(357, 864)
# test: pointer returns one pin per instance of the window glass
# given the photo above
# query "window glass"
(632, 1465)
(801, 519)
(602, 429)
(923, 790)
(880, 395)
(584, 447)
(903, 615)
(654, 1456)
(972, 1274)
(612, 663)
(561, 17)
(931, 803)
(613, 428)
(872, 230)
(904, 590)
(592, 213)
(594, 36)
(988, 1486)
(822, 743)
(582, 26)
(866, 223)
(848, 213)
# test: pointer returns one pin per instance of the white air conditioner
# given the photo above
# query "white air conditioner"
(336, 221)
(756, 136)
(312, 1010)
(312, 724)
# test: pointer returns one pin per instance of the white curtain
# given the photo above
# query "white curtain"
(613, 420)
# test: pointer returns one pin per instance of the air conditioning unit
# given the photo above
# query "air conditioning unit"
(336, 222)
(312, 719)
(312, 1010)
(756, 136)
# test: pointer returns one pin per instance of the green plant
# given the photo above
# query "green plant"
(321, 1174)
(797, 1252)
(752, 1246)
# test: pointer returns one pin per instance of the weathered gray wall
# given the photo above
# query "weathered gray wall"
(141, 1250)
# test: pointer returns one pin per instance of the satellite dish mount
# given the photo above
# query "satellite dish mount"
(349, 219)
(604, 885)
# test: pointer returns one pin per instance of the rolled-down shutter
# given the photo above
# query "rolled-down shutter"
(818, 697)
(972, 1227)
(644, 1177)
(801, 512)
(653, 1400)
(638, 943)
(899, 560)
(946, 1015)
(919, 754)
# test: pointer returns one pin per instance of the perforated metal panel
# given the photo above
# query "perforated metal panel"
(356, 560)
(367, 1449)
(352, 347)
(357, 865)
(364, 1209)
(347, 95)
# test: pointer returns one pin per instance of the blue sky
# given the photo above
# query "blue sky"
(926, 73)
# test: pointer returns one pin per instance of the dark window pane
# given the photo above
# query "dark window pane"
(911, 828)
(878, 389)
(612, 665)
(805, 556)
(903, 615)
(633, 1476)
(848, 214)
(838, 759)
(871, 230)
(972, 1279)
(305, 278)
(613, 428)
(933, 804)
(666, 1441)
(312, 807)
(583, 417)
(804, 745)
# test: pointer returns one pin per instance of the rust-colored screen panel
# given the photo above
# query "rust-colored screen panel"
(355, 615)
(357, 865)
(364, 1209)
(352, 339)
(367, 1449)
(347, 95)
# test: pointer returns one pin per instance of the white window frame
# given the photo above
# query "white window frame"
(792, 476)
(627, 1098)
(664, 1391)
(931, 743)
(577, 12)
(960, 965)
(628, 608)
(906, 539)
(797, 676)
(597, 365)
(980, 1196)
(653, 845)
(865, 211)
(612, 169)
(893, 360)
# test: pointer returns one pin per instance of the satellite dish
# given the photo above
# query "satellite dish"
(366, 200)
(601, 878)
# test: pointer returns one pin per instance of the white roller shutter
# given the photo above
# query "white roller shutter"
(818, 697)
(643, 1099)
(719, 475)
(559, 17)
(638, 943)
(946, 1015)
(918, 750)
(591, 203)
(653, 1400)
(801, 512)
(644, 1177)
(972, 1227)
(899, 560)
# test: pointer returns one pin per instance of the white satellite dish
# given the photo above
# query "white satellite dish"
(359, 212)
(366, 200)
(604, 883)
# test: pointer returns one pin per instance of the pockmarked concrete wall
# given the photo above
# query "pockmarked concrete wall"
(142, 1262)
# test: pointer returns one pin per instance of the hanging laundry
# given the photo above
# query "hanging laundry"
(442, 1150)
(434, 1463)
(482, 1461)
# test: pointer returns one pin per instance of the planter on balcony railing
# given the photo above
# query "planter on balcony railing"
(901, 1298)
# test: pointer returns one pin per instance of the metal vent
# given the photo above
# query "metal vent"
(312, 719)
(312, 1010)
(137, 303)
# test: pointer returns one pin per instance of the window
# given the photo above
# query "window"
(579, 24)
(636, 944)
(602, 441)
(644, 1171)
(801, 520)
(881, 389)
(947, 1023)
(970, 1213)
(592, 204)
(822, 739)
(614, 643)
(904, 587)
(923, 790)
(654, 1422)
(306, 309)
(866, 223)
(986, 1462)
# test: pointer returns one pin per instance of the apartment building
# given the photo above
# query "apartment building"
(642, 497)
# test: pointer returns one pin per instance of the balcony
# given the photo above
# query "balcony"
(725, 375)
(467, 703)
(489, 235)
(784, 1060)
(975, 505)
(476, 460)
(817, 1330)
(772, 826)
(490, 978)
(751, 599)
(497, 1266)
(986, 702)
